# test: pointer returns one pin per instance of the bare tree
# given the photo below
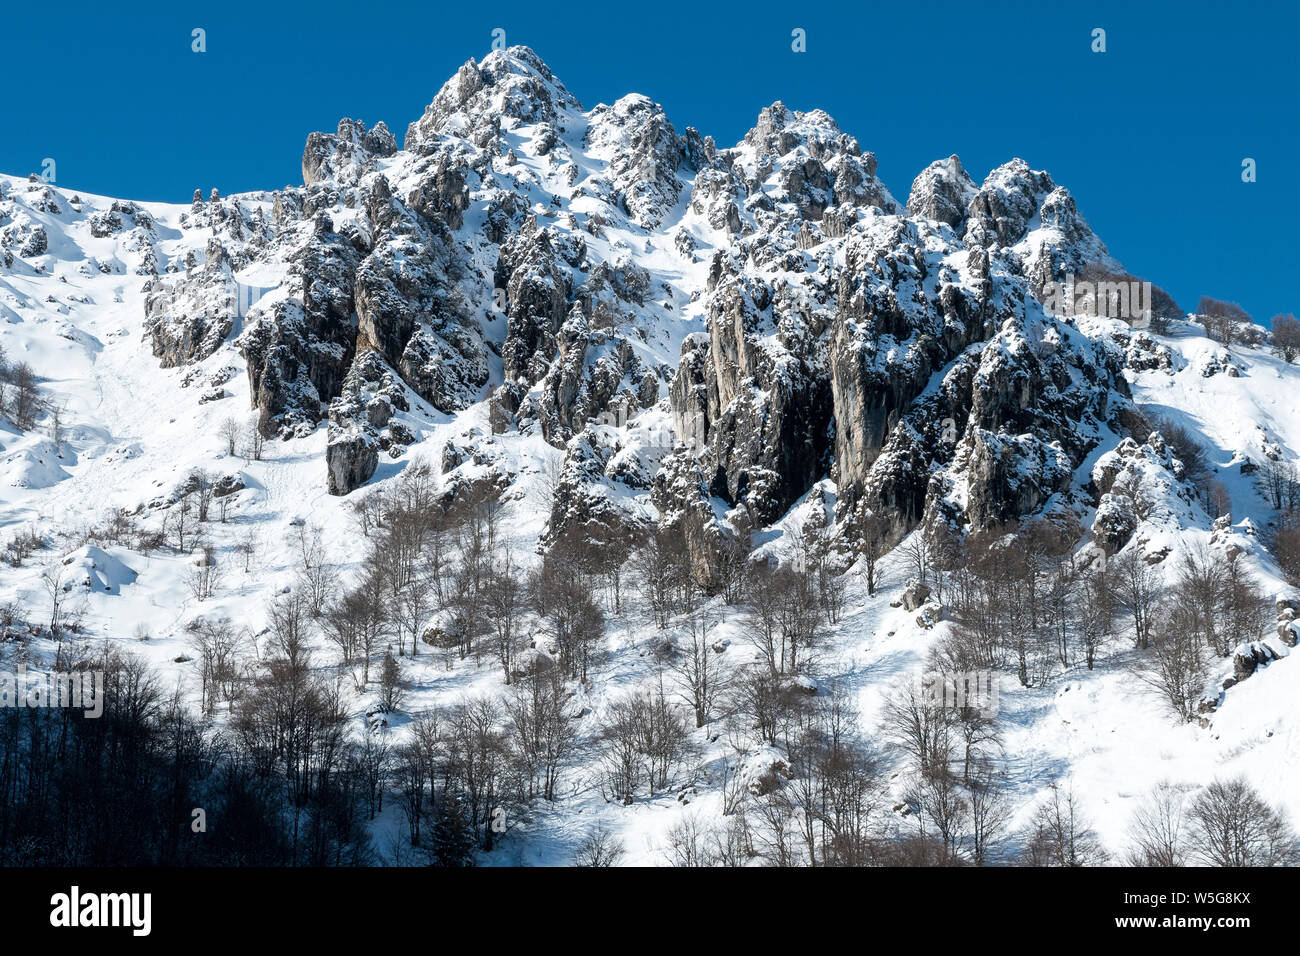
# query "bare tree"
(1096, 611)
(246, 545)
(218, 643)
(568, 612)
(410, 777)
(505, 601)
(1286, 336)
(204, 575)
(873, 541)
(198, 484)
(481, 761)
(990, 810)
(318, 577)
(645, 743)
(785, 623)
(1286, 548)
(392, 691)
(359, 620)
(1281, 483)
(229, 430)
(1060, 834)
(57, 584)
(921, 727)
(254, 441)
(599, 847)
(940, 797)
(290, 626)
(1158, 830)
(733, 556)
(698, 667)
(1231, 825)
(544, 730)
(1139, 588)
(25, 399)
(917, 553)
(179, 524)
(662, 570)
(1177, 667)
(1221, 318)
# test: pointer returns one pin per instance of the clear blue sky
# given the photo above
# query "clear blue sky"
(1149, 136)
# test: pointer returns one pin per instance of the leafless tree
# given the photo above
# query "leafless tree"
(921, 727)
(568, 613)
(1286, 336)
(317, 576)
(1232, 825)
(218, 643)
(916, 553)
(1096, 611)
(229, 430)
(351, 624)
(698, 668)
(662, 569)
(25, 398)
(204, 574)
(785, 623)
(58, 585)
(873, 541)
(1158, 830)
(1281, 483)
(1177, 667)
(733, 557)
(481, 763)
(179, 524)
(1139, 588)
(198, 484)
(645, 744)
(392, 692)
(505, 601)
(1221, 318)
(290, 625)
(544, 730)
(1286, 548)
(254, 441)
(1060, 834)
(600, 847)
(410, 777)
(246, 545)
(990, 809)
(940, 797)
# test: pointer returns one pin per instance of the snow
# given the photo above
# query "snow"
(131, 432)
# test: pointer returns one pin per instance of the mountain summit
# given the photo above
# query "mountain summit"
(612, 332)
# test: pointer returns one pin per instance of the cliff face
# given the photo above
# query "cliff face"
(582, 273)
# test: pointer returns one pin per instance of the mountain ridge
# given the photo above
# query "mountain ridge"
(616, 332)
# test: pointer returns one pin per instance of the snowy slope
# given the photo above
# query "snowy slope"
(73, 306)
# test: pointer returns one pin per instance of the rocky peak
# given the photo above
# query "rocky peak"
(644, 153)
(943, 191)
(513, 254)
(799, 165)
(780, 130)
(344, 156)
(505, 87)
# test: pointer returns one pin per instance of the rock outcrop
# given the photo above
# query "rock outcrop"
(581, 271)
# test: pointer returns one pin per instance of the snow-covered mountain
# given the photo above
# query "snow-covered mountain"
(612, 328)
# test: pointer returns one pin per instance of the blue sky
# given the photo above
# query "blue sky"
(1148, 136)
